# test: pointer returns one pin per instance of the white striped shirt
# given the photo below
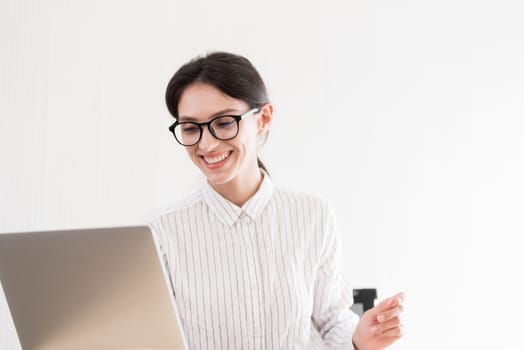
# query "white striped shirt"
(264, 276)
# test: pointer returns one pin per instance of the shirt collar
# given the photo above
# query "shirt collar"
(230, 213)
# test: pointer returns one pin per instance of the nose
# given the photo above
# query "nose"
(208, 142)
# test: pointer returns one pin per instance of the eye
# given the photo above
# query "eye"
(189, 128)
(224, 123)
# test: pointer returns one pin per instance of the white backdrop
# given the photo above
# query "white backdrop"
(406, 115)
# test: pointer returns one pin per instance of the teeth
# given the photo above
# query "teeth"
(213, 160)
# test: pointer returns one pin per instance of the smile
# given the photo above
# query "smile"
(216, 159)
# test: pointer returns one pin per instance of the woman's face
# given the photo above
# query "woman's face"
(221, 161)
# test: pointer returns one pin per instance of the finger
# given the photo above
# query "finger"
(397, 299)
(389, 314)
(396, 332)
(386, 326)
(388, 303)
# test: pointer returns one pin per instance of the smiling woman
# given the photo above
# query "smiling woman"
(229, 163)
(252, 265)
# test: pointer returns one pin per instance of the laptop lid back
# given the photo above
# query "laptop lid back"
(92, 289)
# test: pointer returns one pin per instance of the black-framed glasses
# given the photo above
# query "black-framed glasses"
(223, 127)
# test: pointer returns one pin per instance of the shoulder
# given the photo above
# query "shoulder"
(284, 193)
(164, 223)
(308, 216)
(183, 205)
(302, 200)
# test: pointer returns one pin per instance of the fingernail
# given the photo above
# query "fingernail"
(374, 329)
(381, 318)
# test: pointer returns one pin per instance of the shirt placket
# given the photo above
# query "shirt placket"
(254, 281)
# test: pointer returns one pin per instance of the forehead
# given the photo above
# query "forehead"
(202, 101)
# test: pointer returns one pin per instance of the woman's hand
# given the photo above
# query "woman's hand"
(380, 326)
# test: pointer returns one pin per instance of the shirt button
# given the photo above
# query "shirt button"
(244, 218)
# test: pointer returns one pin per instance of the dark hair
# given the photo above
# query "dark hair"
(232, 74)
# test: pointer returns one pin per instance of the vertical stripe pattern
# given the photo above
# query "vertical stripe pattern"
(264, 276)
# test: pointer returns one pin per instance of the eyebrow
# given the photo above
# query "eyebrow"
(219, 113)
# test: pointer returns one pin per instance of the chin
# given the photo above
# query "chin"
(218, 178)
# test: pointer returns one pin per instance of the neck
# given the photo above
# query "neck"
(240, 190)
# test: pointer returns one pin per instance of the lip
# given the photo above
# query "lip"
(216, 165)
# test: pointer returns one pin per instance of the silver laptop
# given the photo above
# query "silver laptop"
(96, 289)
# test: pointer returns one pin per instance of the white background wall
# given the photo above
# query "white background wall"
(406, 115)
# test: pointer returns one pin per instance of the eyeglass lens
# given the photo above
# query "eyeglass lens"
(223, 128)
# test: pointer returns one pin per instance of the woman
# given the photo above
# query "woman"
(253, 266)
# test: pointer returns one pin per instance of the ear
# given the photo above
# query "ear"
(265, 119)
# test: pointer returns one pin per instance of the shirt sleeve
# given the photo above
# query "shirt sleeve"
(162, 243)
(333, 296)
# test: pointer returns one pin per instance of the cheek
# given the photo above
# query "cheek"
(248, 145)
(249, 138)
(191, 154)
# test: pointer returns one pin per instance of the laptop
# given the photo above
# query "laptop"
(96, 289)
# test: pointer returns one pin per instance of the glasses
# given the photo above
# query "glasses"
(223, 127)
